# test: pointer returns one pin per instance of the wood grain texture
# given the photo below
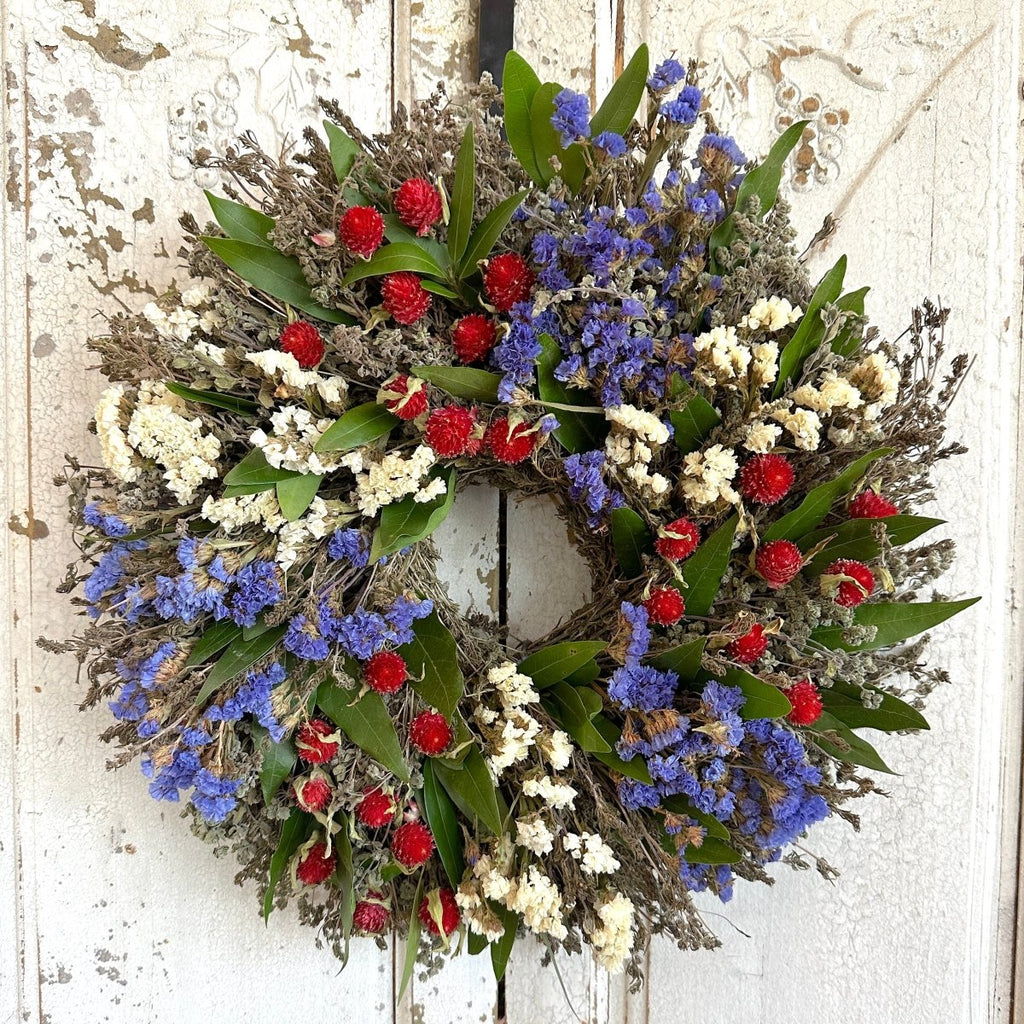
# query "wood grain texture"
(101, 916)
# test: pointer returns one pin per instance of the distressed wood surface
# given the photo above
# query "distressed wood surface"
(110, 911)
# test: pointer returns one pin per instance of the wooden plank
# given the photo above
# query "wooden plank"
(924, 874)
(150, 940)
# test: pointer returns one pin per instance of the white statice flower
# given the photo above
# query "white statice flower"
(612, 939)
(596, 857)
(618, 449)
(197, 295)
(639, 475)
(177, 325)
(290, 445)
(707, 476)
(479, 917)
(555, 795)
(293, 537)
(158, 430)
(556, 746)
(232, 514)
(878, 380)
(534, 835)
(803, 424)
(761, 437)
(842, 436)
(721, 357)
(833, 392)
(766, 362)
(210, 321)
(771, 314)
(494, 883)
(114, 448)
(283, 368)
(537, 898)
(512, 742)
(210, 352)
(384, 479)
(513, 688)
(644, 425)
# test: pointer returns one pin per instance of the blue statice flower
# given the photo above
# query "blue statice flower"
(350, 544)
(253, 698)
(634, 795)
(665, 75)
(635, 217)
(213, 795)
(571, 118)
(721, 704)
(545, 252)
(712, 143)
(130, 604)
(517, 352)
(547, 424)
(684, 108)
(140, 677)
(639, 630)
(190, 595)
(700, 877)
(148, 728)
(257, 586)
(773, 821)
(612, 349)
(361, 634)
(642, 687)
(305, 641)
(612, 143)
(111, 525)
(403, 612)
(706, 204)
(109, 570)
(188, 553)
(587, 485)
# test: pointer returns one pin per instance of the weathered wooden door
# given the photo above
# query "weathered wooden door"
(109, 910)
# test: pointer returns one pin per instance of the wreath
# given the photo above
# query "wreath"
(603, 307)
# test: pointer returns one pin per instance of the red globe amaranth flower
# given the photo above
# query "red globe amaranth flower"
(385, 672)
(869, 505)
(450, 915)
(377, 807)
(302, 340)
(361, 230)
(317, 865)
(313, 793)
(510, 444)
(430, 733)
(404, 396)
(404, 297)
(412, 844)
(779, 562)
(850, 593)
(507, 280)
(678, 540)
(418, 205)
(473, 337)
(371, 914)
(806, 703)
(317, 741)
(766, 479)
(665, 606)
(748, 648)
(448, 430)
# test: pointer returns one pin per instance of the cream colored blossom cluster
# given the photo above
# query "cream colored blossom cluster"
(283, 368)
(294, 433)
(708, 475)
(612, 939)
(511, 731)
(157, 430)
(634, 440)
(183, 321)
(596, 857)
(382, 479)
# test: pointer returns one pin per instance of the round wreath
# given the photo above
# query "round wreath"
(606, 310)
